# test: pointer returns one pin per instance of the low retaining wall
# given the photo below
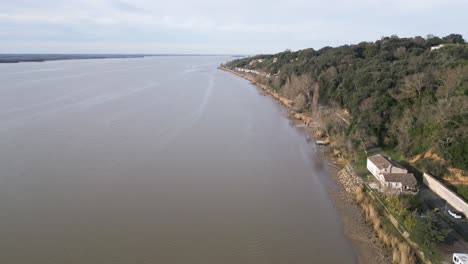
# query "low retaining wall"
(452, 198)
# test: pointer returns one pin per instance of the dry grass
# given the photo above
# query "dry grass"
(406, 254)
(402, 253)
(360, 195)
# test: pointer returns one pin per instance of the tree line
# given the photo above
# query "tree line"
(409, 94)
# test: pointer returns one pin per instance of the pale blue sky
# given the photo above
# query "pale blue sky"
(217, 26)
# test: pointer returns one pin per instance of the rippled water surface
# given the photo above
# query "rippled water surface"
(155, 160)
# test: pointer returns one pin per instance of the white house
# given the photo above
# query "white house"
(391, 174)
(437, 47)
(247, 70)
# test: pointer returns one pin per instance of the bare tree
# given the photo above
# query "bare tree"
(450, 79)
(315, 97)
(296, 85)
(413, 85)
(300, 102)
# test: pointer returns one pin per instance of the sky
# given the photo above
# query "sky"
(217, 26)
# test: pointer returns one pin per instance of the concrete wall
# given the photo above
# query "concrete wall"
(452, 198)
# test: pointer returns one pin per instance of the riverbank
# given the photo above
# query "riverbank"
(366, 245)
(17, 58)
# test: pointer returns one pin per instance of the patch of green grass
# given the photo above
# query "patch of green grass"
(360, 164)
(360, 161)
(434, 167)
(462, 190)
(392, 153)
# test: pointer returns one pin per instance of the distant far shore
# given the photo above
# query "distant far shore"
(16, 58)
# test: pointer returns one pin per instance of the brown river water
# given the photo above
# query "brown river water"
(156, 160)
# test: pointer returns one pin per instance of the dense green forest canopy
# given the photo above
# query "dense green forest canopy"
(406, 93)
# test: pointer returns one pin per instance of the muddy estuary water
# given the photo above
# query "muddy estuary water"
(156, 160)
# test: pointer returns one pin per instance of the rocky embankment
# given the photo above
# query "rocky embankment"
(349, 180)
(366, 244)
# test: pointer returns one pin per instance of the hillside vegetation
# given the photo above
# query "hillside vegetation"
(395, 93)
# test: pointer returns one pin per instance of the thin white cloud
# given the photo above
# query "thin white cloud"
(246, 24)
(33, 18)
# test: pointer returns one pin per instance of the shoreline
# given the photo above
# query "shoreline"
(20, 58)
(362, 237)
(364, 242)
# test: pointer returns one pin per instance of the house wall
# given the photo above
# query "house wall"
(385, 170)
(452, 198)
(394, 185)
(373, 169)
(397, 170)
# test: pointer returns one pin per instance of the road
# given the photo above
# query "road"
(457, 238)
